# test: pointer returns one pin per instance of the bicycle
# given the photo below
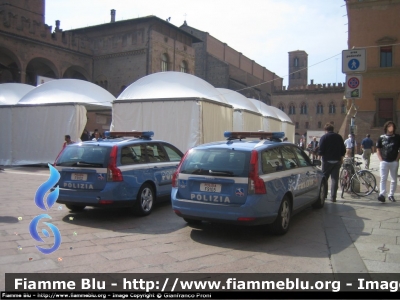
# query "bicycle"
(360, 182)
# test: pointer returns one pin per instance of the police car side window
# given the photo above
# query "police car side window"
(131, 155)
(173, 154)
(289, 157)
(304, 160)
(271, 161)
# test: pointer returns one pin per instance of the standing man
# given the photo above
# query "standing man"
(332, 150)
(67, 139)
(351, 145)
(314, 147)
(387, 149)
(366, 146)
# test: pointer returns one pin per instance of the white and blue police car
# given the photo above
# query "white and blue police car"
(251, 182)
(126, 169)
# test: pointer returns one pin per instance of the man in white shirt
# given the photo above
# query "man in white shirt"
(350, 143)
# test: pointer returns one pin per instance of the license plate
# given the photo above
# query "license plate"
(79, 176)
(210, 187)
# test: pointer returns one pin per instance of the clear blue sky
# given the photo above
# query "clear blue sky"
(263, 30)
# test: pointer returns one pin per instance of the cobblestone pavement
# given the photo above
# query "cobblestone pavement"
(359, 235)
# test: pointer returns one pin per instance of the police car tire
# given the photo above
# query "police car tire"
(277, 227)
(320, 202)
(73, 207)
(138, 208)
(192, 221)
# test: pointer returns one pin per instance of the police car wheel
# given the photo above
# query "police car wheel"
(319, 203)
(192, 221)
(144, 200)
(72, 207)
(281, 224)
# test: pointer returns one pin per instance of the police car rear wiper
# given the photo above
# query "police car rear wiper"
(230, 173)
(80, 163)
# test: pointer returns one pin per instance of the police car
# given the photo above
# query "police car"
(127, 169)
(247, 182)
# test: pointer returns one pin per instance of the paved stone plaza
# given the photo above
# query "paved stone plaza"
(359, 235)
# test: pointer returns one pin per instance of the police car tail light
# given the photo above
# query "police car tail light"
(113, 173)
(175, 176)
(256, 184)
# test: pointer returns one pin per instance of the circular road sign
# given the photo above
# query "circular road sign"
(353, 64)
(353, 82)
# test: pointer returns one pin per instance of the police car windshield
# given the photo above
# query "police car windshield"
(217, 162)
(85, 156)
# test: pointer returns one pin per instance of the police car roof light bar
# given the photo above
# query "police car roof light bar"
(232, 135)
(137, 134)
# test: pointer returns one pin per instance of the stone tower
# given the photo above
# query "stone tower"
(32, 10)
(298, 72)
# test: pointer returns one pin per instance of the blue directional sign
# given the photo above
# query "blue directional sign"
(354, 61)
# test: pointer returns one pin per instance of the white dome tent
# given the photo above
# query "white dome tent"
(246, 116)
(180, 108)
(44, 115)
(287, 124)
(10, 94)
(271, 121)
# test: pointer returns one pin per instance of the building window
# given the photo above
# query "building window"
(385, 111)
(307, 125)
(319, 124)
(320, 109)
(386, 57)
(332, 108)
(297, 125)
(281, 107)
(303, 109)
(164, 62)
(296, 62)
(299, 75)
(184, 68)
(292, 109)
(344, 108)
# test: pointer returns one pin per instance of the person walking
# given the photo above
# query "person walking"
(332, 151)
(301, 144)
(366, 146)
(313, 146)
(387, 149)
(351, 145)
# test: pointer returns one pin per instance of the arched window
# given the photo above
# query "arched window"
(332, 108)
(184, 68)
(292, 109)
(281, 107)
(164, 62)
(303, 109)
(343, 108)
(320, 108)
(296, 62)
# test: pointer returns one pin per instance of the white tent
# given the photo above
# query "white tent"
(180, 108)
(39, 121)
(271, 121)
(246, 116)
(10, 94)
(287, 124)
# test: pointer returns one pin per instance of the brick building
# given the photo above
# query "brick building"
(310, 106)
(224, 67)
(375, 26)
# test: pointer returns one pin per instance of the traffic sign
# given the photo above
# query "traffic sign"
(354, 61)
(353, 86)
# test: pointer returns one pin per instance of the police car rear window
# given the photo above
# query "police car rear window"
(217, 162)
(85, 156)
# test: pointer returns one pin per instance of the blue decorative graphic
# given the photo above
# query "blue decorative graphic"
(39, 201)
(239, 192)
(34, 233)
(45, 187)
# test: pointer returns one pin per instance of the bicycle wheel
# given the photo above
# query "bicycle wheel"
(344, 178)
(363, 183)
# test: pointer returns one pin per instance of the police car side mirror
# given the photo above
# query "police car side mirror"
(316, 162)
